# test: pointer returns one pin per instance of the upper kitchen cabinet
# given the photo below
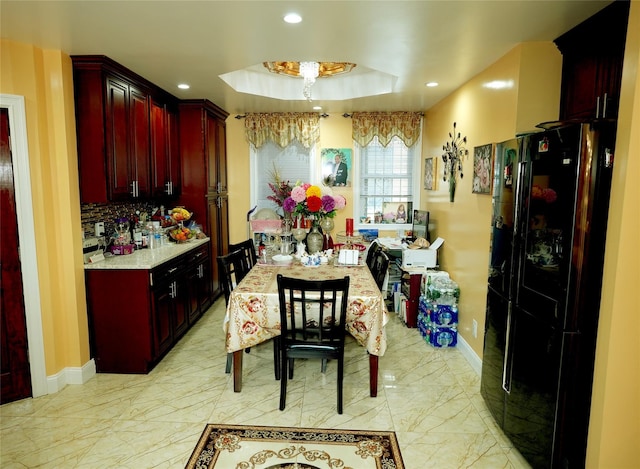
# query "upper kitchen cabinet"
(125, 127)
(593, 53)
(165, 150)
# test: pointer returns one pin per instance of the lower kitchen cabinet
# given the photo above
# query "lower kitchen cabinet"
(198, 283)
(137, 315)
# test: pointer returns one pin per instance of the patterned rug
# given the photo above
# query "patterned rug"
(251, 447)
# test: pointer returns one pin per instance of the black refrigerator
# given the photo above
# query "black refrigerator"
(550, 206)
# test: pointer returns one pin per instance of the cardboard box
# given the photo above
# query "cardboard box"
(422, 258)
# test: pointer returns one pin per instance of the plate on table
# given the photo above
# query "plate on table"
(359, 247)
(282, 259)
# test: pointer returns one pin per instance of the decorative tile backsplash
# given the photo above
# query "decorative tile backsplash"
(109, 212)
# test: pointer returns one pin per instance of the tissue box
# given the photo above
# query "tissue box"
(118, 250)
(348, 256)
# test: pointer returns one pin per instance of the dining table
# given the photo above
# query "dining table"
(253, 310)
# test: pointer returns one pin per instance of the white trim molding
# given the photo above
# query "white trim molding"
(26, 229)
(71, 375)
(471, 356)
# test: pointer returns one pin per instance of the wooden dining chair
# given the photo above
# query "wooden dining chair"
(233, 267)
(374, 248)
(312, 320)
(249, 249)
(380, 268)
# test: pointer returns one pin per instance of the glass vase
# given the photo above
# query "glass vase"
(327, 226)
(315, 240)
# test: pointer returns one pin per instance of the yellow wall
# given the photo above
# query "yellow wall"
(484, 115)
(614, 430)
(44, 78)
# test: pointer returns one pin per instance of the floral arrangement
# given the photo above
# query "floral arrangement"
(306, 200)
(280, 189)
(547, 194)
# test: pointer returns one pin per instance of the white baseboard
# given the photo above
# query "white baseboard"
(71, 375)
(471, 356)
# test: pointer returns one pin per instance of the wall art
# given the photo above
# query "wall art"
(429, 173)
(482, 168)
(336, 166)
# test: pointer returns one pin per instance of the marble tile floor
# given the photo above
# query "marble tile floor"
(429, 397)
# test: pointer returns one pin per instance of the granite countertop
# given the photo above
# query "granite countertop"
(146, 258)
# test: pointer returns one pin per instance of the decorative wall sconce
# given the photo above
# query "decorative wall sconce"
(454, 153)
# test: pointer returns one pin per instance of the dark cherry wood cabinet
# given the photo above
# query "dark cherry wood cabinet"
(198, 282)
(137, 315)
(593, 53)
(204, 175)
(165, 151)
(125, 124)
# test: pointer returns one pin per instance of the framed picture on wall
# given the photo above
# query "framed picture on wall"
(482, 169)
(336, 166)
(429, 173)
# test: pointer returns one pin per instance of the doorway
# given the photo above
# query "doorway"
(13, 108)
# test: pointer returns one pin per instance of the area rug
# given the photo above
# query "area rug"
(253, 447)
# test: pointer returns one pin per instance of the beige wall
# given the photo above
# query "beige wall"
(44, 78)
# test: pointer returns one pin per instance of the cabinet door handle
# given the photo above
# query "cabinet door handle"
(172, 289)
(597, 107)
(604, 106)
(133, 188)
(200, 271)
(172, 270)
(168, 187)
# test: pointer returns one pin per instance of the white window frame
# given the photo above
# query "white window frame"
(417, 148)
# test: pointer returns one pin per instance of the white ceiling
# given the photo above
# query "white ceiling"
(169, 42)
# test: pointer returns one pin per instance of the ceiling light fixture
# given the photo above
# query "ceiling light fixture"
(183, 86)
(292, 18)
(309, 71)
(432, 84)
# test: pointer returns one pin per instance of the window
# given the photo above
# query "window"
(388, 177)
(292, 162)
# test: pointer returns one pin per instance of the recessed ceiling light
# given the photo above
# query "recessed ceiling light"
(292, 18)
(498, 84)
(432, 84)
(183, 86)
(317, 108)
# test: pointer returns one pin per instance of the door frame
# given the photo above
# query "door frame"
(15, 106)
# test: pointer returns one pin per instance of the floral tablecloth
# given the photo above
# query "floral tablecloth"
(253, 312)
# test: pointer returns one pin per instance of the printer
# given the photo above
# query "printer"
(421, 258)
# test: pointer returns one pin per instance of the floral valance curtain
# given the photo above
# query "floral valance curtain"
(386, 125)
(282, 128)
